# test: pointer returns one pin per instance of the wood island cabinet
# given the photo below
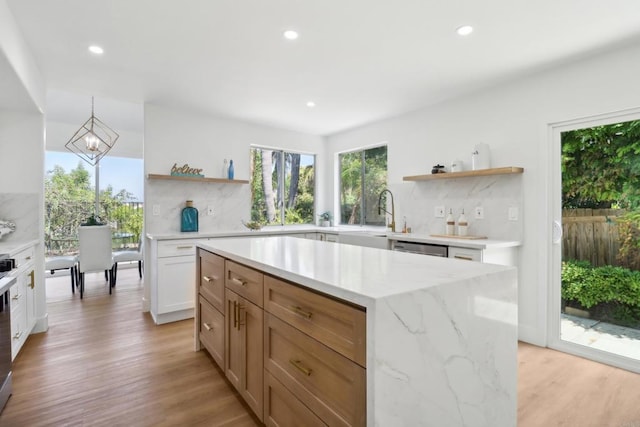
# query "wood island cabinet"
(296, 356)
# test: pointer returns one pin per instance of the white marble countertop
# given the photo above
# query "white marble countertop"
(5, 283)
(356, 274)
(374, 231)
(11, 248)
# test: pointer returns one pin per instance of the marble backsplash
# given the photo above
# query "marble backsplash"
(22, 209)
(495, 194)
(231, 204)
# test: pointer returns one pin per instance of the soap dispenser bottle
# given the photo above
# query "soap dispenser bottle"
(450, 228)
(462, 224)
(189, 218)
(230, 170)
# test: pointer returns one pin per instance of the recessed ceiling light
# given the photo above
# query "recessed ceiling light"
(311, 104)
(465, 30)
(96, 49)
(290, 35)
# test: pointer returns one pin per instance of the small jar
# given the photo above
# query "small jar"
(450, 228)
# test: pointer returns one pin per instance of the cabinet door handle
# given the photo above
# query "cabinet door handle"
(207, 326)
(29, 257)
(300, 312)
(16, 297)
(33, 280)
(466, 258)
(238, 281)
(299, 366)
(184, 247)
(17, 335)
(240, 323)
(209, 279)
(235, 314)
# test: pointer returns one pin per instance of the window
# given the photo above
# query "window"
(282, 187)
(363, 176)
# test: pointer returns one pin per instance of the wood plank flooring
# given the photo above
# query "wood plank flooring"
(104, 363)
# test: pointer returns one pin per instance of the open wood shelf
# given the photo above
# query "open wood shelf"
(509, 170)
(197, 179)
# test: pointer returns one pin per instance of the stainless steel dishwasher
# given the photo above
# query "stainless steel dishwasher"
(420, 248)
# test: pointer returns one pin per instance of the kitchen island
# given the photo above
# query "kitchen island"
(441, 334)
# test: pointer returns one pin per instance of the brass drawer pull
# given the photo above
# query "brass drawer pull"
(299, 366)
(33, 279)
(207, 326)
(184, 247)
(300, 312)
(238, 281)
(208, 279)
(466, 258)
(235, 315)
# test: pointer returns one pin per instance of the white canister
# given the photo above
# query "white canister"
(456, 166)
(481, 157)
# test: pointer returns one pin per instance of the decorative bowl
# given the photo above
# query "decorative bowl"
(252, 225)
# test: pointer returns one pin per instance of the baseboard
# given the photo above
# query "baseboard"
(531, 336)
(42, 324)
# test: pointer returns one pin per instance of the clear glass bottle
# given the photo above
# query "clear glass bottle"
(189, 218)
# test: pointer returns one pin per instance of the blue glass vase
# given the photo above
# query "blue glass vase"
(230, 173)
(189, 218)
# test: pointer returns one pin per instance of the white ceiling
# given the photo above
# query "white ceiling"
(359, 60)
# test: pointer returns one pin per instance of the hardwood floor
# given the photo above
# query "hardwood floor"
(104, 363)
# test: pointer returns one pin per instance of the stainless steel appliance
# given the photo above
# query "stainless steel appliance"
(420, 248)
(5, 329)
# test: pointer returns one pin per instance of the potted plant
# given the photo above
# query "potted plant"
(93, 220)
(325, 219)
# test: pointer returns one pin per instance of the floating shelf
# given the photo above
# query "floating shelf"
(197, 179)
(509, 170)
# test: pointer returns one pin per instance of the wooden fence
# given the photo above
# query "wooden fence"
(591, 235)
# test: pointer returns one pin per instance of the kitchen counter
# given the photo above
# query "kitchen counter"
(441, 333)
(13, 248)
(268, 230)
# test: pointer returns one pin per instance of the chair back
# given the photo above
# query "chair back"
(94, 248)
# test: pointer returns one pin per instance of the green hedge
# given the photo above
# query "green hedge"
(594, 285)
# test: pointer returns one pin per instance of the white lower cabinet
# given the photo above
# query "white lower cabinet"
(501, 256)
(22, 294)
(173, 284)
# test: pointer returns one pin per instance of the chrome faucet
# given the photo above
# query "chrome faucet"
(391, 225)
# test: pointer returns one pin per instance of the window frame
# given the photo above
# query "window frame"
(282, 178)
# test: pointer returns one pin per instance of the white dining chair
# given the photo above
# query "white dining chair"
(95, 253)
(128, 256)
(64, 262)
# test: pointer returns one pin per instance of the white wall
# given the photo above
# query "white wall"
(514, 120)
(202, 141)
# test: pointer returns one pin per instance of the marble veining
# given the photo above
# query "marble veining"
(441, 333)
(22, 209)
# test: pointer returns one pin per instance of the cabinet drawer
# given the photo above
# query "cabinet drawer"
(465, 254)
(24, 257)
(211, 280)
(176, 248)
(329, 384)
(340, 326)
(244, 281)
(283, 409)
(211, 331)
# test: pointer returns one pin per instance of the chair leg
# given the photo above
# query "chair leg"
(110, 280)
(106, 277)
(73, 282)
(115, 273)
(81, 277)
(140, 268)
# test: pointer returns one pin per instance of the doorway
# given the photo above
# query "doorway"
(593, 309)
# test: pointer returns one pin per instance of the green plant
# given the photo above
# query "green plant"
(93, 220)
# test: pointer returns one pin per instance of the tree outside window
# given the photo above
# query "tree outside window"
(282, 187)
(363, 176)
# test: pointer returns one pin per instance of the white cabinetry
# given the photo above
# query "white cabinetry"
(502, 256)
(173, 284)
(22, 295)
